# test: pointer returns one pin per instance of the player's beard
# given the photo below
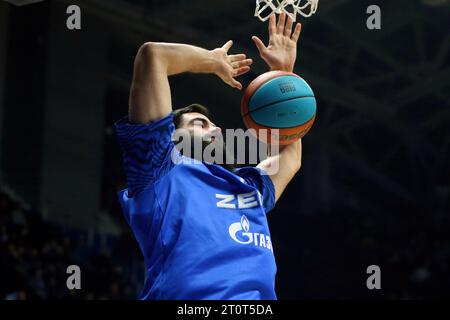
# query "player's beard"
(223, 156)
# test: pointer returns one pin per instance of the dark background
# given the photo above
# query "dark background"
(374, 187)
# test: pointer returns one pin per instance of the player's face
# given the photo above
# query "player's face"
(202, 128)
(199, 125)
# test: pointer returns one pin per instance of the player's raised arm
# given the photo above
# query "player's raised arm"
(150, 96)
(281, 54)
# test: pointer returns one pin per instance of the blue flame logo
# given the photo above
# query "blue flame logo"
(245, 223)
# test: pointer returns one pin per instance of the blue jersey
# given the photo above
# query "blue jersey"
(202, 229)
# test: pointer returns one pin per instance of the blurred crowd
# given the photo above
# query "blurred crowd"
(35, 254)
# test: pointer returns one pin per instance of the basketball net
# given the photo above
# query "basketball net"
(306, 8)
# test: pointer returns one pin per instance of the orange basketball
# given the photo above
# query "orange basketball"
(282, 103)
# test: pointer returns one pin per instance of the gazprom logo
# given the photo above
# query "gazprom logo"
(239, 232)
(245, 224)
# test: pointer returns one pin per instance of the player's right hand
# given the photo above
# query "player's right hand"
(228, 67)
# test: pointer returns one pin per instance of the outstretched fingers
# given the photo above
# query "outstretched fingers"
(272, 25)
(237, 57)
(259, 44)
(288, 28)
(234, 83)
(240, 71)
(227, 45)
(296, 34)
(281, 23)
(241, 63)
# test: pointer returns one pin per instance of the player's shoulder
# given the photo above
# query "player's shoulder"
(125, 123)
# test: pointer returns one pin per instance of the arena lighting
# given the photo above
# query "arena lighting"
(22, 2)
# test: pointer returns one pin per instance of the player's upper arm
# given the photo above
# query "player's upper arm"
(148, 151)
(150, 97)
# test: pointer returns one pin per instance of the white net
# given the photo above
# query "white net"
(306, 8)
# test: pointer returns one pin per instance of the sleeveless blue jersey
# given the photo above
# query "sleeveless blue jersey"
(202, 229)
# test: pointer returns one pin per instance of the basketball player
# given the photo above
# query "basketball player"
(202, 228)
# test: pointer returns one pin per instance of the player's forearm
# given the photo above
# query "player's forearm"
(288, 157)
(178, 58)
(291, 155)
(283, 166)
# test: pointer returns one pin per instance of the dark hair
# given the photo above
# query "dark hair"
(195, 107)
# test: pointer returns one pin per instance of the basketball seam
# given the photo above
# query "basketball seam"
(270, 127)
(270, 104)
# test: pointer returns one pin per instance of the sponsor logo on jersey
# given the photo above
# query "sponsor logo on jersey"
(239, 201)
(239, 232)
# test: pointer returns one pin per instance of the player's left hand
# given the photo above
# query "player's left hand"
(281, 52)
